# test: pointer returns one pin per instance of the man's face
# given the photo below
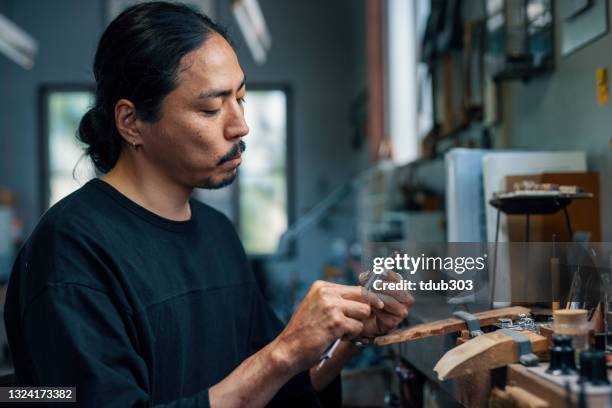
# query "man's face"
(197, 140)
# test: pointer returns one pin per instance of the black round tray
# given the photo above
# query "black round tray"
(534, 204)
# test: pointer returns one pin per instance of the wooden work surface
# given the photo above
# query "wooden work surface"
(491, 350)
(449, 325)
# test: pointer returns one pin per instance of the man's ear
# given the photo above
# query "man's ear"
(127, 122)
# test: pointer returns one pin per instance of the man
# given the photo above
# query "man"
(138, 295)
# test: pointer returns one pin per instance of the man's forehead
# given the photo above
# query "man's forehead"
(214, 64)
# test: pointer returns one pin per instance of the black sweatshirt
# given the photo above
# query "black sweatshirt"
(134, 309)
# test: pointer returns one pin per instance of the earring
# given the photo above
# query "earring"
(134, 145)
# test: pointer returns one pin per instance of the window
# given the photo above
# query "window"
(64, 167)
(263, 177)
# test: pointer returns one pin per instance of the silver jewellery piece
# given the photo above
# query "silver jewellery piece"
(524, 323)
(528, 323)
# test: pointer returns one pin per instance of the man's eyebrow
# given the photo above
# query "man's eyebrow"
(221, 93)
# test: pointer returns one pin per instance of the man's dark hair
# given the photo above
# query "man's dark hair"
(138, 57)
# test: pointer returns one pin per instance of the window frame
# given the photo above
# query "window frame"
(289, 160)
(44, 93)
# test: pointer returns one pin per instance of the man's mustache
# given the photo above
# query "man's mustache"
(236, 150)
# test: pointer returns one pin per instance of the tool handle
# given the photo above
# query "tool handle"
(329, 352)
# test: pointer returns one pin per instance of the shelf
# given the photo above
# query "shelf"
(523, 72)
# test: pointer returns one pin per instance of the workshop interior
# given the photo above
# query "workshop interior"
(378, 128)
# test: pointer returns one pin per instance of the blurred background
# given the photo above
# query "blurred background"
(371, 121)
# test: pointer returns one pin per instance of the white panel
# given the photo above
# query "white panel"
(465, 211)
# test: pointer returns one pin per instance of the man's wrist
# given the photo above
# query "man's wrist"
(281, 358)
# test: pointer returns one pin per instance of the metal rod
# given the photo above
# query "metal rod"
(329, 353)
(495, 258)
(569, 224)
(527, 228)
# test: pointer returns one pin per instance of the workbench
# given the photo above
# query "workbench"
(423, 354)
(474, 390)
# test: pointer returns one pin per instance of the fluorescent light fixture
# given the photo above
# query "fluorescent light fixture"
(16, 44)
(253, 27)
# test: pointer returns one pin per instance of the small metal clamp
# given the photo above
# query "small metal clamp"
(471, 321)
(526, 356)
(506, 323)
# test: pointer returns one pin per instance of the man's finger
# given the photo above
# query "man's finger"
(352, 328)
(347, 291)
(383, 314)
(392, 305)
(358, 293)
(388, 276)
(386, 322)
(372, 299)
(363, 276)
(355, 310)
(403, 296)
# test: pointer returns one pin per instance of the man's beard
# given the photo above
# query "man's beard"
(209, 184)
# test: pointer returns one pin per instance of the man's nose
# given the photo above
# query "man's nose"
(237, 126)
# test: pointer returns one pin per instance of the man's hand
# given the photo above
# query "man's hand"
(397, 303)
(328, 312)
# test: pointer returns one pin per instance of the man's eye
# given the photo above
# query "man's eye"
(242, 100)
(211, 112)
